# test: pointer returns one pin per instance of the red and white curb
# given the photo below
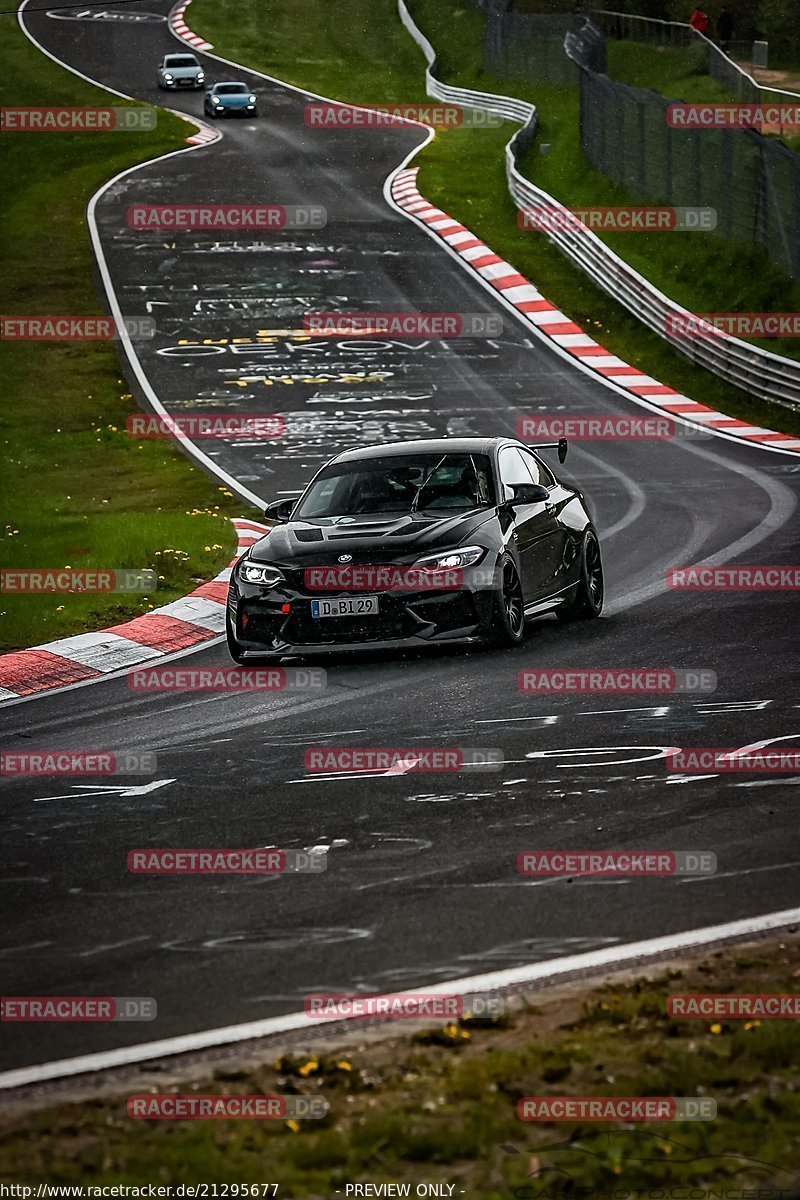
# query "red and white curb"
(190, 621)
(182, 30)
(205, 133)
(564, 333)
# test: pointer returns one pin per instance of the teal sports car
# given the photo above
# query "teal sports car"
(230, 99)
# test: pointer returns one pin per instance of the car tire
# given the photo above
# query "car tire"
(234, 649)
(508, 609)
(587, 602)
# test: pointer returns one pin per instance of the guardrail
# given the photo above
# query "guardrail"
(758, 372)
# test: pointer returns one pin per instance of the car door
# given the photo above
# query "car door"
(535, 526)
(552, 543)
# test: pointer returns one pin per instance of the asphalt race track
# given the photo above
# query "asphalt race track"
(421, 885)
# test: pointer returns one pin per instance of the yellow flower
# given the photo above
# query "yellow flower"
(751, 1025)
(309, 1067)
(344, 1065)
(716, 1029)
(295, 1128)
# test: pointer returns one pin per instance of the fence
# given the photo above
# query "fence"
(649, 30)
(753, 182)
(529, 45)
(759, 372)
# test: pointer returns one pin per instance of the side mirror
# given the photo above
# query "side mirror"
(279, 510)
(528, 493)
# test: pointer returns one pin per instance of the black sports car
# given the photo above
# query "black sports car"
(417, 543)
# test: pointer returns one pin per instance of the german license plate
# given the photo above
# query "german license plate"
(346, 606)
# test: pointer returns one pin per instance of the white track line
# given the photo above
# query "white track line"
(494, 980)
(125, 339)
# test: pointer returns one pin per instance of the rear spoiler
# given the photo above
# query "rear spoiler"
(561, 445)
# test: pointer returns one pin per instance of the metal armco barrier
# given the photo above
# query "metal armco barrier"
(758, 372)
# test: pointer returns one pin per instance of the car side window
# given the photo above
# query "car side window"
(541, 473)
(513, 470)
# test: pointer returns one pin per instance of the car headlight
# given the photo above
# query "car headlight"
(216, 100)
(264, 573)
(252, 99)
(450, 560)
(200, 76)
(168, 77)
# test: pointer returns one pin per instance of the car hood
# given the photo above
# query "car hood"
(234, 101)
(182, 72)
(378, 539)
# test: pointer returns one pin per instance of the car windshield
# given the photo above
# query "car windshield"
(180, 60)
(399, 484)
(230, 89)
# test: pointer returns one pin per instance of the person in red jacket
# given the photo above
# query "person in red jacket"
(699, 20)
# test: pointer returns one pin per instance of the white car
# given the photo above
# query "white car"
(181, 71)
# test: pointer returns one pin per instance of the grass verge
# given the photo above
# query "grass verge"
(78, 491)
(439, 1105)
(373, 60)
(677, 73)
